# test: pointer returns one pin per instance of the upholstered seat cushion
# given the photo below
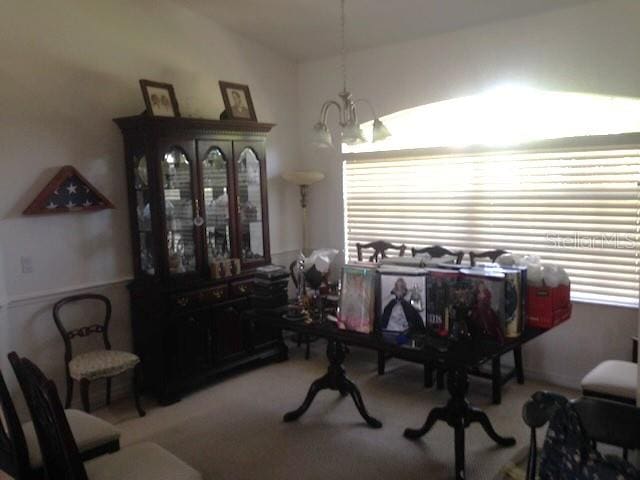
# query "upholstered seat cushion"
(140, 462)
(101, 363)
(90, 432)
(613, 377)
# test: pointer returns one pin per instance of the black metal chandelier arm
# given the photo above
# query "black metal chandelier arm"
(324, 111)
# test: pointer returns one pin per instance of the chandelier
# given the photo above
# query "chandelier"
(351, 132)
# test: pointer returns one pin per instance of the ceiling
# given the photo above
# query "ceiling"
(309, 29)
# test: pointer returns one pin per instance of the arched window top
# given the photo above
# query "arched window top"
(503, 117)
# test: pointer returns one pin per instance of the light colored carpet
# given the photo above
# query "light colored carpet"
(233, 429)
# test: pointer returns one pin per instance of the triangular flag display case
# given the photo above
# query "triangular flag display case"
(68, 192)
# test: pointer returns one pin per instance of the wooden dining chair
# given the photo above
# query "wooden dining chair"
(61, 456)
(380, 248)
(492, 255)
(20, 454)
(496, 375)
(437, 251)
(598, 421)
(97, 364)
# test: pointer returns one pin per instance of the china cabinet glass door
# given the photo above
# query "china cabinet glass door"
(214, 167)
(179, 213)
(143, 214)
(249, 196)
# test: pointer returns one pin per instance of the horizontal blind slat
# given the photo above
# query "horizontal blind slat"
(578, 209)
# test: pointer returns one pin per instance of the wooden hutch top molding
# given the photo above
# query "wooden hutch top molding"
(176, 124)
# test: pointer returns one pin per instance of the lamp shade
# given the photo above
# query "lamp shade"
(303, 177)
(321, 136)
(352, 134)
(380, 132)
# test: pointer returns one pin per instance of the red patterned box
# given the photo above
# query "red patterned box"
(547, 307)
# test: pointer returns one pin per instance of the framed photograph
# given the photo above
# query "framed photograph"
(237, 101)
(356, 308)
(402, 305)
(159, 98)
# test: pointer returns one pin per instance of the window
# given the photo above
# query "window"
(577, 207)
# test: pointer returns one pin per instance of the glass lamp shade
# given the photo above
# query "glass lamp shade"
(352, 134)
(321, 136)
(380, 132)
(301, 178)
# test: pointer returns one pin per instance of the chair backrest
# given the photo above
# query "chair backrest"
(492, 255)
(536, 413)
(604, 421)
(437, 251)
(610, 422)
(380, 248)
(60, 453)
(14, 454)
(68, 335)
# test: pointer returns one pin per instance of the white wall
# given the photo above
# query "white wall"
(68, 68)
(589, 48)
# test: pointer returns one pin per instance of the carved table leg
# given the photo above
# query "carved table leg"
(334, 379)
(438, 413)
(459, 415)
(477, 415)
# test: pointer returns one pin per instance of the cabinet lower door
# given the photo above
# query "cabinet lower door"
(263, 334)
(230, 333)
(194, 344)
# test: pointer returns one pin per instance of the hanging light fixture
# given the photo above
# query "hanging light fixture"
(348, 117)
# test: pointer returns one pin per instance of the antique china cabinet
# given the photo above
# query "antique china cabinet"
(197, 197)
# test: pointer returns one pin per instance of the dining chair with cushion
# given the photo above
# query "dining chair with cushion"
(575, 429)
(97, 364)
(380, 248)
(60, 452)
(496, 375)
(437, 251)
(20, 454)
(615, 380)
(492, 255)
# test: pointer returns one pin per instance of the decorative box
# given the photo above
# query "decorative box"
(402, 300)
(487, 317)
(356, 306)
(440, 284)
(515, 300)
(224, 268)
(547, 307)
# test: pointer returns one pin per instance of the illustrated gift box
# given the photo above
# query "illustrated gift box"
(547, 307)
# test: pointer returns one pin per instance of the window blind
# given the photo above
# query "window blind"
(580, 210)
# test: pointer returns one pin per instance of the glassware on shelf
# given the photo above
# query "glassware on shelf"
(173, 222)
(144, 218)
(250, 205)
(141, 175)
(179, 208)
(146, 261)
(176, 252)
(215, 180)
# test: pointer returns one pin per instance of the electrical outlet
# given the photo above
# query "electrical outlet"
(27, 264)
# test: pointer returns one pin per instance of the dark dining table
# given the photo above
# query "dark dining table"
(456, 358)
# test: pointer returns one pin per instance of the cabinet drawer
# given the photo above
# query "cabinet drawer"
(199, 298)
(241, 289)
(213, 295)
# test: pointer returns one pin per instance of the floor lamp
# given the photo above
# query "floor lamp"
(303, 179)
